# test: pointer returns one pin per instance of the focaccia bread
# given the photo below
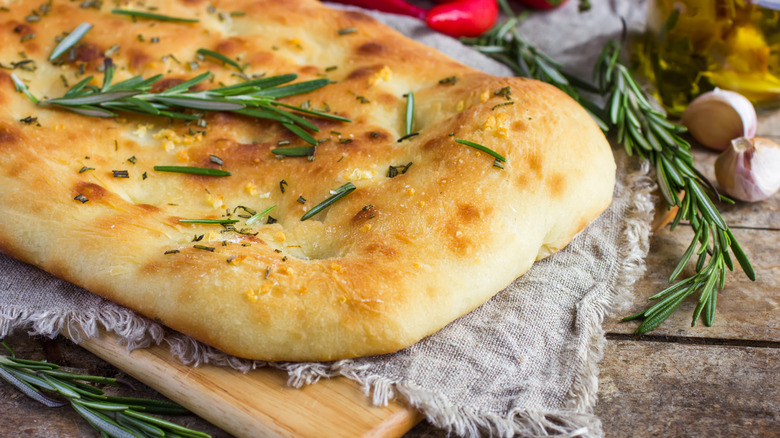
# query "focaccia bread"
(433, 228)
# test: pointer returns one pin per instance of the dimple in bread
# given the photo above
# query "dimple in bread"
(432, 230)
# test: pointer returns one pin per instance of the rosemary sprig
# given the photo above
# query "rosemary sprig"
(253, 98)
(647, 132)
(111, 416)
(335, 196)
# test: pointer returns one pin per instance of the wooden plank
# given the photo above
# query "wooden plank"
(258, 403)
(745, 309)
(666, 389)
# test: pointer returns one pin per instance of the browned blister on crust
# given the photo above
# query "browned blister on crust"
(389, 263)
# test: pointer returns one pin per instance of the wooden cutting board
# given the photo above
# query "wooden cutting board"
(258, 403)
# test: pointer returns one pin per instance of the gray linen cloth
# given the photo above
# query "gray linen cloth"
(524, 363)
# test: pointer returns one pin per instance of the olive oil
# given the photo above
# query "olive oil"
(693, 46)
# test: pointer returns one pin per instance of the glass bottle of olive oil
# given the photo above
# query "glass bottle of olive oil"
(692, 46)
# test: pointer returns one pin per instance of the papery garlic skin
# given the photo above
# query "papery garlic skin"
(718, 116)
(749, 170)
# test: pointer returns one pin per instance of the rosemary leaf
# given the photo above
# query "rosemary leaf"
(70, 40)
(192, 170)
(221, 57)
(256, 217)
(335, 196)
(409, 114)
(485, 149)
(151, 16)
(302, 151)
(208, 221)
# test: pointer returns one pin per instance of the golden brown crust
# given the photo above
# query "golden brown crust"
(388, 264)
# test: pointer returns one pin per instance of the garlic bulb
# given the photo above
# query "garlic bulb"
(749, 170)
(718, 116)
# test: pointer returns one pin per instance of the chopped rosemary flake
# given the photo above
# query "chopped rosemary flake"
(193, 170)
(498, 164)
(505, 92)
(283, 142)
(347, 30)
(237, 13)
(267, 272)
(215, 159)
(204, 247)
(282, 185)
(451, 80)
(132, 160)
(335, 132)
(221, 57)
(231, 258)
(336, 195)
(25, 64)
(27, 37)
(258, 216)
(30, 120)
(154, 40)
(409, 113)
(511, 102)
(121, 174)
(271, 220)
(95, 4)
(70, 40)
(301, 151)
(81, 198)
(362, 99)
(301, 200)
(193, 65)
(171, 251)
(408, 136)
(374, 134)
(208, 221)
(150, 16)
(111, 50)
(345, 140)
(246, 209)
(198, 237)
(331, 68)
(85, 168)
(284, 258)
(485, 149)
(144, 176)
(394, 171)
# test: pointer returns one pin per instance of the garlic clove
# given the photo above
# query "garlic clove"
(716, 117)
(749, 170)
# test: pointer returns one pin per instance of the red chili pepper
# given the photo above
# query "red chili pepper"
(467, 18)
(392, 6)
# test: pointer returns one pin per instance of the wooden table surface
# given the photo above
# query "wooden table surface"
(677, 381)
